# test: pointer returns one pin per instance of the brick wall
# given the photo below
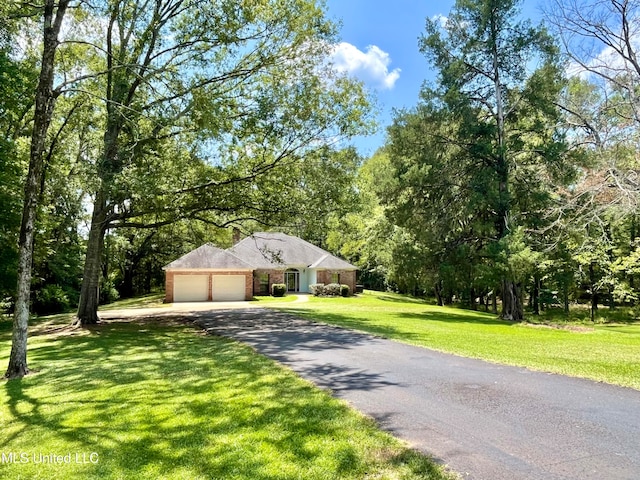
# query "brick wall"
(170, 280)
(252, 280)
(275, 276)
(347, 277)
(168, 286)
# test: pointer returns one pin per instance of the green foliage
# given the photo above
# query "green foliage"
(363, 236)
(235, 105)
(108, 292)
(332, 290)
(17, 81)
(474, 165)
(317, 289)
(51, 299)
(9, 223)
(278, 290)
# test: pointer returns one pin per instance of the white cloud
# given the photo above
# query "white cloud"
(371, 66)
(608, 62)
(441, 19)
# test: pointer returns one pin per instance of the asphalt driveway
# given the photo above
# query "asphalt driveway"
(485, 421)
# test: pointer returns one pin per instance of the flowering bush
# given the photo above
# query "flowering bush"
(278, 289)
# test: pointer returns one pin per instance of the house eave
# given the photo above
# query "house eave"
(183, 269)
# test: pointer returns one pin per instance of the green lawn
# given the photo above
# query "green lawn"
(151, 400)
(608, 353)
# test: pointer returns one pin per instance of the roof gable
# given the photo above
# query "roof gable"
(272, 250)
(208, 256)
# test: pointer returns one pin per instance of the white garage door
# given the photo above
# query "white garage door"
(190, 288)
(228, 288)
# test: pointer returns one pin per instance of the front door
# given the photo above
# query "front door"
(292, 280)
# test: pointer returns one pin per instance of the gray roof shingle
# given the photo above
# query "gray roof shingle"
(208, 256)
(273, 250)
(261, 250)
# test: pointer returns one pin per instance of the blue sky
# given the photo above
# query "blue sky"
(380, 47)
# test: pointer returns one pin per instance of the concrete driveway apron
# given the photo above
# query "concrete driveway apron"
(485, 421)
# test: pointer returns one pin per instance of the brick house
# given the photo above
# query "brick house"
(251, 267)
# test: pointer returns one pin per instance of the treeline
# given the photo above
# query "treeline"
(514, 181)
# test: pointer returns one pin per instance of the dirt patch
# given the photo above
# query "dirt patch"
(571, 328)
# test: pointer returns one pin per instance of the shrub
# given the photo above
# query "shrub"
(51, 299)
(108, 292)
(6, 305)
(332, 290)
(278, 289)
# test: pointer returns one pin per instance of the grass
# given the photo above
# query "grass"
(273, 300)
(151, 400)
(602, 352)
(581, 313)
(151, 300)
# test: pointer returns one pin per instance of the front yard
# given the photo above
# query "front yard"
(159, 399)
(153, 399)
(603, 352)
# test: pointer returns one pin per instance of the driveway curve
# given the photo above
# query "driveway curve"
(484, 421)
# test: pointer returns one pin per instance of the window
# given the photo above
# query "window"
(335, 278)
(263, 278)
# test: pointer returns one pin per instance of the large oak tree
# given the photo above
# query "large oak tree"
(240, 92)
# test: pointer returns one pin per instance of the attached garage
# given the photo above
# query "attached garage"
(190, 288)
(227, 288)
(208, 274)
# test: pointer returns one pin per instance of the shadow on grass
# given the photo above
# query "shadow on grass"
(582, 314)
(353, 325)
(389, 297)
(150, 300)
(277, 334)
(389, 330)
(164, 402)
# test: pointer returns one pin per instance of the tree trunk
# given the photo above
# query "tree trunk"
(612, 300)
(632, 246)
(89, 292)
(536, 295)
(594, 294)
(44, 103)
(126, 287)
(438, 291)
(511, 302)
(484, 302)
(494, 301)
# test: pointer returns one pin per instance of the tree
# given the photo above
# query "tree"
(17, 82)
(235, 90)
(600, 40)
(490, 123)
(602, 114)
(363, 235)
(52, 14)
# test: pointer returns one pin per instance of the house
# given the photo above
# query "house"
(251, 267)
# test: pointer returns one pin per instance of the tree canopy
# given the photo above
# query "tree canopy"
(168, 111)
